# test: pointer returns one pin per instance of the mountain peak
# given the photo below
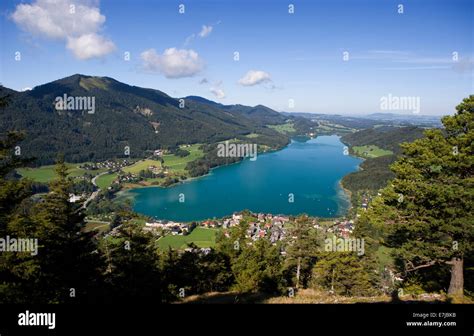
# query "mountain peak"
(85, 82)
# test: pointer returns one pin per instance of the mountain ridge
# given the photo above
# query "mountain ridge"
(125, 115)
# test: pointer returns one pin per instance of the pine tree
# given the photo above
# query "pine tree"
(12, 191)
(17, 269)
(67, 257)
(259, 268)
(428, 207)
(133, 271)
(342, 273)
(301, 250)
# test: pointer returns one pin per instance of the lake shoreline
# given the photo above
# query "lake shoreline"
(191, 179)
(262, 188)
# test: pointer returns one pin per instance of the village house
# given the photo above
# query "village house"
(236, 217)
(154, 169)
(226, 223)
(175, 230)
(75, 198)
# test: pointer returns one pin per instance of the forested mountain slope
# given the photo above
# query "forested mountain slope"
(125, 115)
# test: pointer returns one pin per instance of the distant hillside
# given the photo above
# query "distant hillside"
(414, 119)
(346, 121)
(125, 115)
(384, 137)
(371, 120)
(260, 113)
(374, 173)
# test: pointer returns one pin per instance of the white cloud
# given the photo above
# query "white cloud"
(189, 39)
(77, 23)
(173, 63)
(25, 89)
(254, 77)
(205, 31)
(219, 93)
(89, 46)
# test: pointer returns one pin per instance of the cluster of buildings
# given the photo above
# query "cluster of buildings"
(134, 178)
(156, 170)
(263, 226)
(223, 223)
(273, 232)
(174, 228)
(342, 228)
(127, 178)
(108, 164)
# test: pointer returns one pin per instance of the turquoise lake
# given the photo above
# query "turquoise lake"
(309, 170)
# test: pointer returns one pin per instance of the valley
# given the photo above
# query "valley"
(187, 196)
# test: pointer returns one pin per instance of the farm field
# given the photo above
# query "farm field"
(141, 165)
(177, 164)
(329, 128)
(104, 181)
(98, 226)
(370, 151)
(202, 237)
(284, 128)
(45, 174)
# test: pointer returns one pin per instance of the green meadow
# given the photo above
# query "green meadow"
(284, 128)
(104, 181)
(202, 237)
(370, 151)
(174, 164)
(45, 174)
(178, 164)
(141, 165)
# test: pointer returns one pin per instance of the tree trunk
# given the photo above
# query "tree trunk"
(298, 270)
(332, 281)
(456, 286)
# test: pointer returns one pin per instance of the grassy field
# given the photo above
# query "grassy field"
(96, 226)
(311, 296)
(177, 164)
(104, 181)
(45, 174)
(141, 165)
(370, 151)
(252, 135)
(327, 128)
(200, 236)
(284, 128)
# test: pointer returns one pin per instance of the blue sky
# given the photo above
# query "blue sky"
(283, 56)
